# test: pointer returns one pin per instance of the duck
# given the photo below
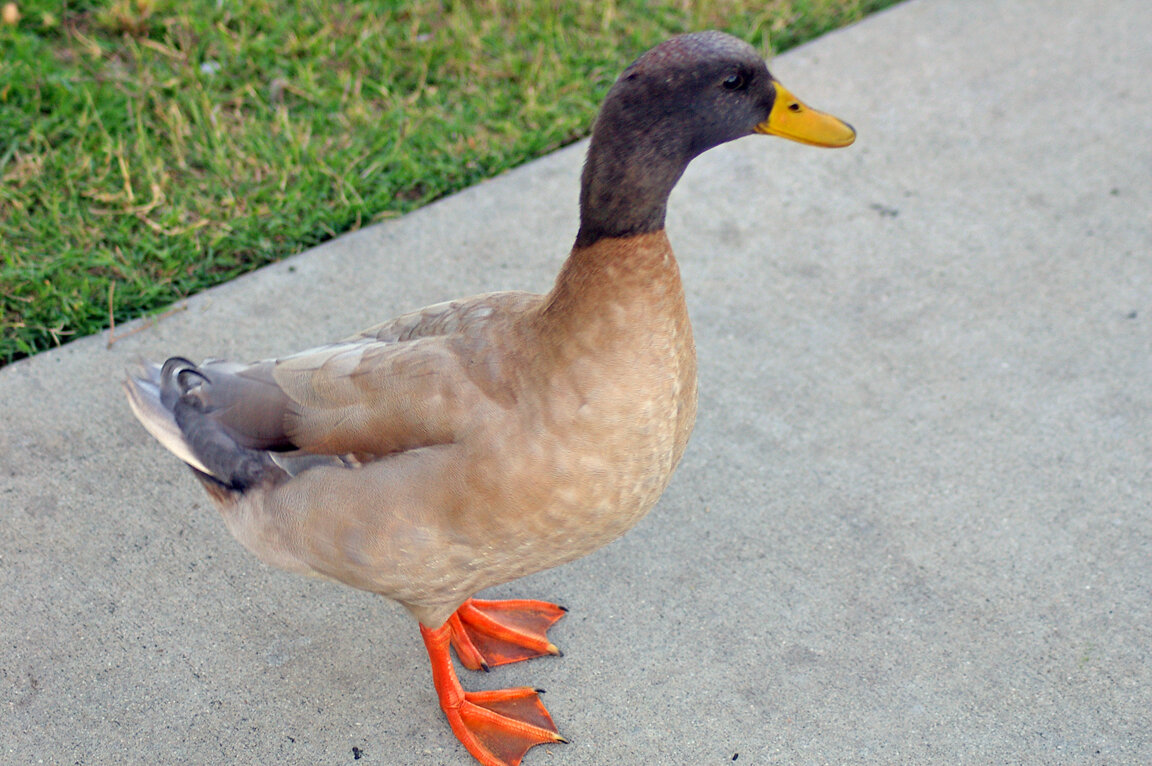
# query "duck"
(476, 441)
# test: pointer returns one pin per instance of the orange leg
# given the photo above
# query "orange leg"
(497, 727)
(490, 633)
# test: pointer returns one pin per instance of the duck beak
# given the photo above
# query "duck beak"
(791, 118)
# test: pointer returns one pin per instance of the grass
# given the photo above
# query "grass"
(152, 148)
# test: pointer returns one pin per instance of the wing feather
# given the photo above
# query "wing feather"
(398, 386)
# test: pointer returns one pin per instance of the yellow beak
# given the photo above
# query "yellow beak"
(791, 118)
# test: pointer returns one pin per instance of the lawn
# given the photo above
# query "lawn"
(152, 148)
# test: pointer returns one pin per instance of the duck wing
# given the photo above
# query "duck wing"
(398, 386)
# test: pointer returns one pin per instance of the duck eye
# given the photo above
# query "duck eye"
(735, 82)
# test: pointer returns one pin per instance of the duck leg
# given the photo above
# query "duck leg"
(497, 727)
(490, 633)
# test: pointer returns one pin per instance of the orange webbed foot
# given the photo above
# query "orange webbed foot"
(497, 727)
(490, 633)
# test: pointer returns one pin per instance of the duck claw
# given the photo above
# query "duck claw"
(504, 723)
(486, 634)
(497, 727)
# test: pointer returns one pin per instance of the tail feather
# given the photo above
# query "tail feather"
(169, 402)
(145, 397)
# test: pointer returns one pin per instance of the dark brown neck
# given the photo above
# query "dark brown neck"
(628, 174)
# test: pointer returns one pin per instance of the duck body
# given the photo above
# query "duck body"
(529, 430)
(477, 441)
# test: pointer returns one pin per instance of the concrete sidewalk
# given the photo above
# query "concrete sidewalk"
(914, 524)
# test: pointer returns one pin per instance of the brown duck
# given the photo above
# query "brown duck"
(480, 440)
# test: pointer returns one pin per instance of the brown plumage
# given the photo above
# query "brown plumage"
(477, 441)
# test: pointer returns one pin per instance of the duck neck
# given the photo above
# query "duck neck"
(628, 174)
(624, 283)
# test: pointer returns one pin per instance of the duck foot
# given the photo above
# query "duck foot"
(497, 727)
(490, 633)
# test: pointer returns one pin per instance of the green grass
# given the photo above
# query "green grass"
(152, 148)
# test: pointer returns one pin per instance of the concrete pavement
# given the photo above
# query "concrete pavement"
(914, 524)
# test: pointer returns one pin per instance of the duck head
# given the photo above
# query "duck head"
(679, 99)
